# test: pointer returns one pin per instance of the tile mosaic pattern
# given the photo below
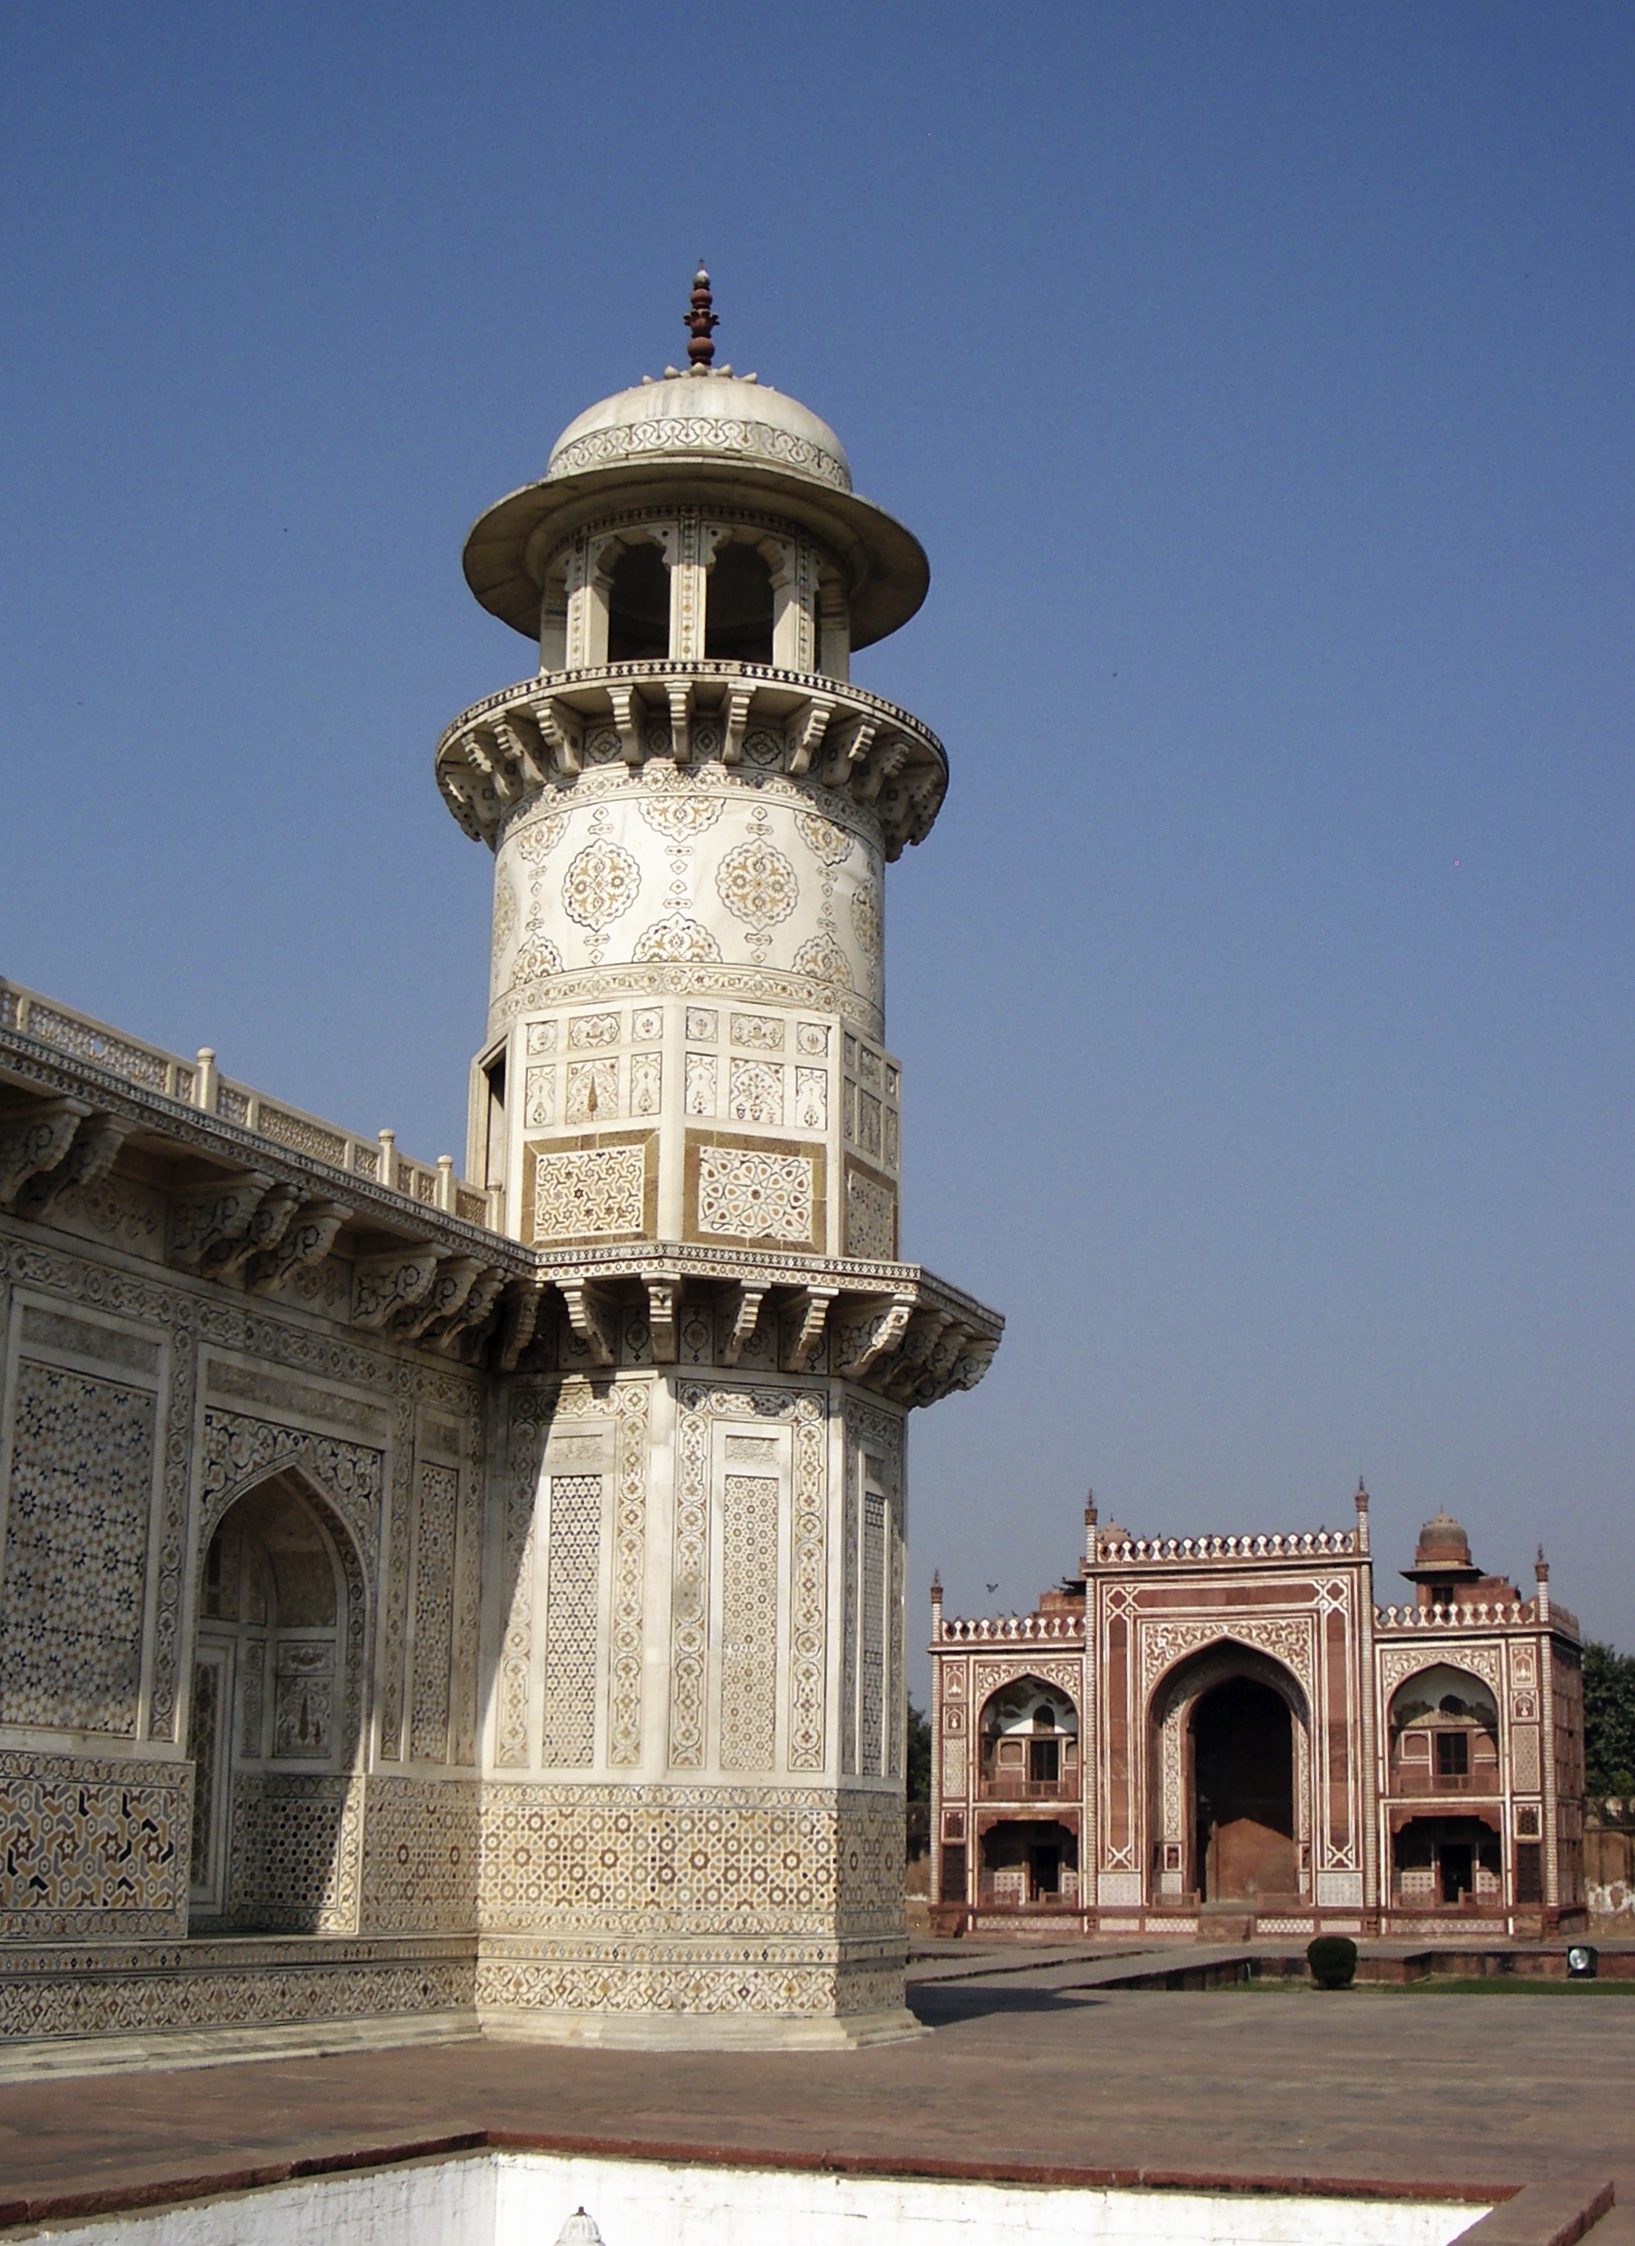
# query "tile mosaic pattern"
(293, 1859)
(436, 1530)
(749, 1621)
(589, 1190)
(573, 1561)
(75, 1569)
(93, 1847)
(743, 1195)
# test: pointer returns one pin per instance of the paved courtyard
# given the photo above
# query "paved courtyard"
(1022, 2068)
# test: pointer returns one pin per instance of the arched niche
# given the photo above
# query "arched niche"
(1023, 1860)
(277, 1711)
(1028, 1737)
(1443, 1733)
(1228, 1779)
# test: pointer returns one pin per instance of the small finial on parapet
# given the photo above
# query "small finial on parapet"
(1362, 1495)
(1090, 1509)
(700, 320)
(936, 1587)
(1541, 1566)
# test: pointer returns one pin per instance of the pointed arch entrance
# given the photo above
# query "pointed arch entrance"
(1243, 1793)
(277, 1713)
(1230, 1758)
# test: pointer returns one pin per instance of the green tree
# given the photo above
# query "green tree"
(919, 1755)
(1609, 1721)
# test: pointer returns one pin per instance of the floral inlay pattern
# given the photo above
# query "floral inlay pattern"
(757, 884)
(677, 936)
(600, 885)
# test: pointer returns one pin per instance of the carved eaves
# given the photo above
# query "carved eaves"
(36, 1141)
(306, 1239)
(384, 1286)
(208, 1221)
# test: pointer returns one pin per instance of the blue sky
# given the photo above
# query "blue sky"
(1258, 378)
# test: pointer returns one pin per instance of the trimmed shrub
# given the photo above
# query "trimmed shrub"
(1333, 1961)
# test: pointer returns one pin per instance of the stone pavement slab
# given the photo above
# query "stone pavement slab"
(1366, 2085)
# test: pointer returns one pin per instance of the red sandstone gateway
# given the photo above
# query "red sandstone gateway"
(1225, 1734)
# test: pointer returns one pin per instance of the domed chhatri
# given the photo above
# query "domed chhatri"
(1442, 1538)
(706, 437)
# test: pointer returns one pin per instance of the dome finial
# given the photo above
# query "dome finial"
(700, 320)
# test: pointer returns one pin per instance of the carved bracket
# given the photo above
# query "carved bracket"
(268, 1223)
(865, 1343)
(587, 1316)
(452, 1281)
(744, 1320)
(802, 1327)
(208, 1221)
(36, 1142)
(520, 1316)
(89, 1157)
(306, 1239)
(384, 1285)
(662, 1295)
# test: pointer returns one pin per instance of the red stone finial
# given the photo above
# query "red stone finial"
(700, 320)
(1362, 1495)
(1090, 1509)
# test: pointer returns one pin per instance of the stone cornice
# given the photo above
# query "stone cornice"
(541, 734)
(253, 1210)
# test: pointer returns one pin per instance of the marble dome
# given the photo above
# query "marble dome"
(693, 438)
(710, 414)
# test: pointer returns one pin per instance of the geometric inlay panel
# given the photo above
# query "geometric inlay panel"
(749, 1621)
(76, 1551)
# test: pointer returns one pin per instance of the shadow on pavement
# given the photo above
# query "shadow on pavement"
(938, 2004)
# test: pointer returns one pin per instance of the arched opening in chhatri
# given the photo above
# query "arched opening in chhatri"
(738, 606)
(638, 606)
(276, 1703)
(1243, 1792)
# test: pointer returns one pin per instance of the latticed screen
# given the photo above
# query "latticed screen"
(575, 1555)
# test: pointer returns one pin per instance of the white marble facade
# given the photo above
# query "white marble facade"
(448, 1598)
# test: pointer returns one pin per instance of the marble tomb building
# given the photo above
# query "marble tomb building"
(433, 1597)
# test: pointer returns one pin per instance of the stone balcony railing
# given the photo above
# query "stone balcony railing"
(1009, 1629)
(197, 1083)
(997, 1787)
(549, 729)
(1482, 1614)
(1188, 1550)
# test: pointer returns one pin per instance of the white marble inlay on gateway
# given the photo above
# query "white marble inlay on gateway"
(524, 2199)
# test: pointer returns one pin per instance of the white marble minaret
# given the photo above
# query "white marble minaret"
(694, 1760)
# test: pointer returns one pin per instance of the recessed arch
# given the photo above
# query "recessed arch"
(277, 1710)
(1229, 1757)
(1028, 1735)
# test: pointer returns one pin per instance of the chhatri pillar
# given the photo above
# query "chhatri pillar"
(694, 1756)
